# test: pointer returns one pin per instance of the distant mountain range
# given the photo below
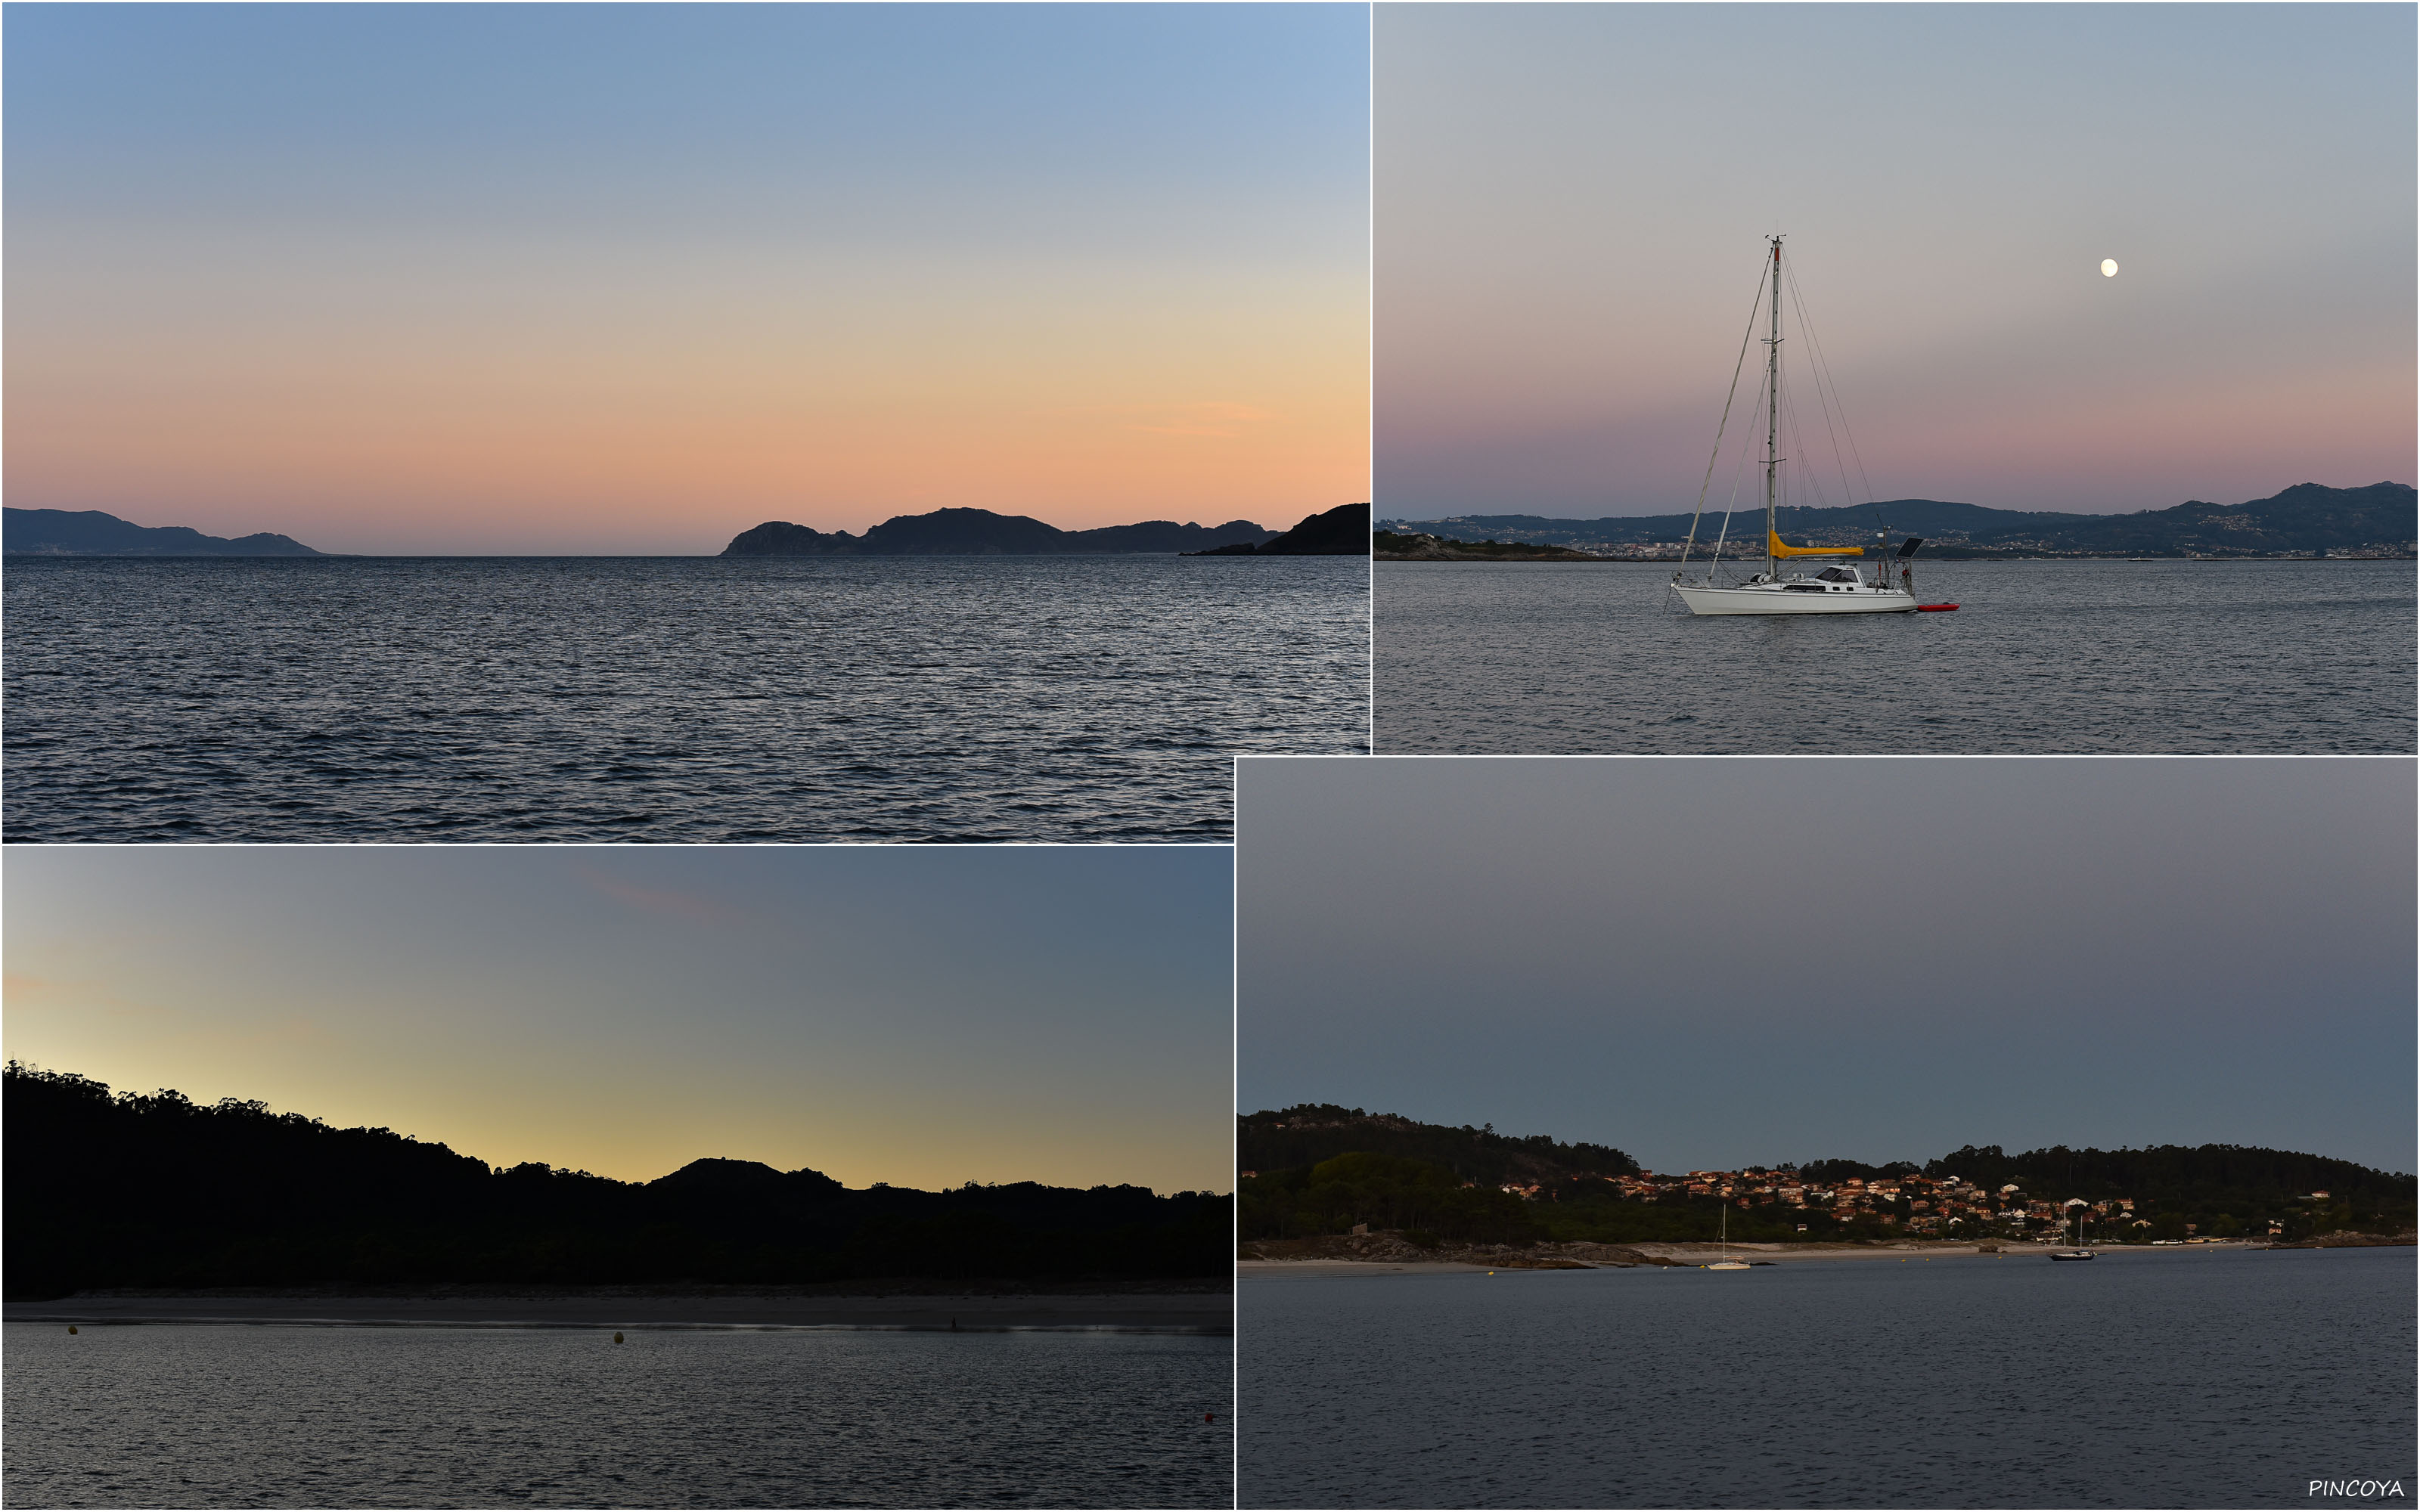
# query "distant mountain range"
(1341, 531)
(978, 533)
(153, 1190)
(88, 532)
(2306, 520)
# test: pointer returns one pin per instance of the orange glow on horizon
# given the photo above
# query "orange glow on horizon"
(358, 417)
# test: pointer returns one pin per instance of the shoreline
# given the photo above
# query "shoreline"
(1963, 561)
(1693, 1255)
(1196, 1313)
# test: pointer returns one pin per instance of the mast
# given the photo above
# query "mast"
(1772, 413)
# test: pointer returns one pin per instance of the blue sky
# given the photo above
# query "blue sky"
(598, 278)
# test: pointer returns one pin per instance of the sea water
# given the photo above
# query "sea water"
(2139, 1379)
(678, 699)
(2041, 657)
(234, 1415)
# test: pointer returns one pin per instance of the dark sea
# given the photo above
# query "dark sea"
(230, 1416)
(2224, 1378)
(669, 699)
(2276, 657)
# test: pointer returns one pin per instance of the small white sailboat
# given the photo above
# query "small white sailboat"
(1839, 588)
(2079, 1252)
(1726, 1264)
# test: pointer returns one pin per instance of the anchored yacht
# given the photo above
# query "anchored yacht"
(1837, 589)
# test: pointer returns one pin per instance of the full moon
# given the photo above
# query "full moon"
(2108, 268)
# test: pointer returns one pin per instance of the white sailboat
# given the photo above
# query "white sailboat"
(1838, 589)
(1726, 1264)
(2075, 1206)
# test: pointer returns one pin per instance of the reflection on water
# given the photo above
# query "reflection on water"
(2044, 656)
(284, 1416)
(675, 699)
(2170, 1379)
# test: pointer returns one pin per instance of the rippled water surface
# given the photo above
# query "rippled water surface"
(2224, 1378)
(281, 1416)
(678, 699)
(2064, 656)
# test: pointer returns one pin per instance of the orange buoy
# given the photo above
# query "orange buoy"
(617, 1338)
(70, 1328)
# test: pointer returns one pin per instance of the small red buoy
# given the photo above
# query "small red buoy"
(1933, 608)
(1209, 1417)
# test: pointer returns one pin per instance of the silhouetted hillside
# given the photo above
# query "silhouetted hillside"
(158, 1191)
(1309, 1134)
(1341, 531)
(88, 532)
(981, 532)
(2306, 519)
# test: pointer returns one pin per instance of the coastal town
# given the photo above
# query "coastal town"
(1945, 1207)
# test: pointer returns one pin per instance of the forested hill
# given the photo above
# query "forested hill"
(2178, 1176)
(1311, 1132)
(2307, 519)
(158, 1191)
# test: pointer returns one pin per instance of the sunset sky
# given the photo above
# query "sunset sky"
(922, 1016)
(577, 279)
(1709, 964)
(1571, 203)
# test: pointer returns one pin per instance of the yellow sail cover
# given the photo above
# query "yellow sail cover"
(1781, 550)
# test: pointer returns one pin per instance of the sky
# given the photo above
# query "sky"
(1573, 201)
(924, 1016)
(1717, 963)
(633, 278)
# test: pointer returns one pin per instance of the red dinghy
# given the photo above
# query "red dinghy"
(1933, 608)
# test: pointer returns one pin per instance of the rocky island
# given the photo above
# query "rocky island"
(981, 532)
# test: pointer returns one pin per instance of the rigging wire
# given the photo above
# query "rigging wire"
(1738, 475)
(1715, 455)
(1825, 379)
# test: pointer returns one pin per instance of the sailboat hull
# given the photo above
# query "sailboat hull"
(1779, 600)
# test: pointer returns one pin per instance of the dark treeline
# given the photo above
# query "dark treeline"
(1304, 1136)
(158, 1191)
(1386, 1192)
(2189, 1178)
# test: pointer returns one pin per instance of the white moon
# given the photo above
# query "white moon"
(2108, 268)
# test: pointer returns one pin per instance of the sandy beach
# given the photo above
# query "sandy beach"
(1207, 1312)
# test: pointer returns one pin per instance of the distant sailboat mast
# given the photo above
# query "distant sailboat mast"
(1772, 414)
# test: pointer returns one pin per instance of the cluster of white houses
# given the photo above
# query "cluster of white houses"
(1922, 1204)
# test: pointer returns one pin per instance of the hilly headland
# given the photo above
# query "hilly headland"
(89, 532)
(1318, 1183)
(2304, 522)
(1341, 531)
(120, 1199)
